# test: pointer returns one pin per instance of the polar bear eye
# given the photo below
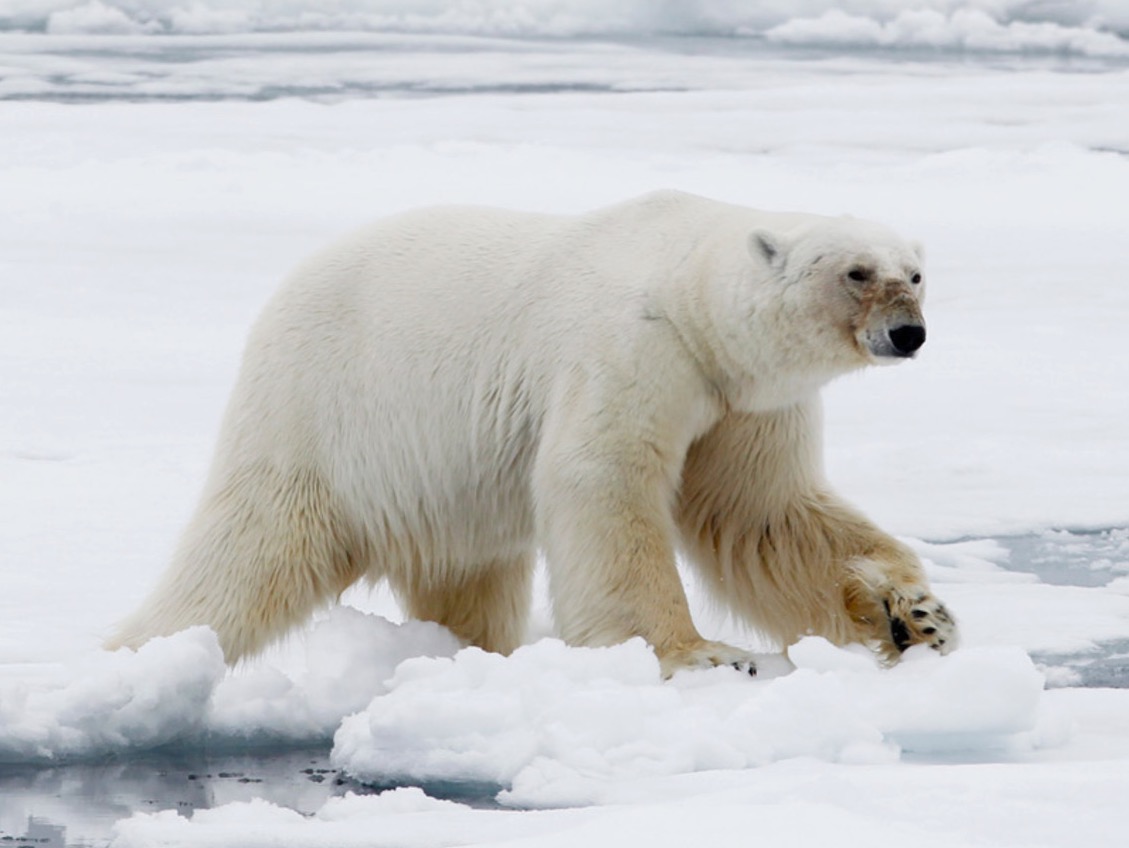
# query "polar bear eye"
(858, 275)
(915, 279)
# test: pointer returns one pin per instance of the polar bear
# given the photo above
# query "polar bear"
(438, 398)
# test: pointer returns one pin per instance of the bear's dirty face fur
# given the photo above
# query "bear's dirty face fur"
(884, 297)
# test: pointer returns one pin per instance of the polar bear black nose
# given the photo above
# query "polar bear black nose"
(907, 338)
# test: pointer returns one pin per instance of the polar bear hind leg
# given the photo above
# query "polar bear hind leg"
(486, 605)
(265, 548)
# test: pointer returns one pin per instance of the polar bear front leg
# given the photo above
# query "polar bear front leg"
(787, 554)
(607, 532)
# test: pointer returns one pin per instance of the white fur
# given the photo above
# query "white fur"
(437, 397)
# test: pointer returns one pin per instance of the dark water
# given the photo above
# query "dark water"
(1078, 558)
(1071, 557)
(77, 805)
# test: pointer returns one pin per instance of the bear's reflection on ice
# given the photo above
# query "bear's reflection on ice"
(77, 805)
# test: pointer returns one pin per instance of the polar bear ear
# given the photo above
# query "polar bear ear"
(767, 246)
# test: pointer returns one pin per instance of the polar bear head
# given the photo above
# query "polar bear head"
(816, 298)
(850, 292)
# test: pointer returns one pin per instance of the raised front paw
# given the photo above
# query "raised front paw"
(706, 654)
(916, 617)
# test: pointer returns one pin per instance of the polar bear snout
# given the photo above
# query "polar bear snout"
(907, 339)
(900, 341)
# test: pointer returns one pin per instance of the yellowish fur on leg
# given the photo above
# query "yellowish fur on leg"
(785, 554)
(264, 548)
(485, 605)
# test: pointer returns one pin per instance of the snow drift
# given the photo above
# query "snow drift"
(551, 724)
(555, 724)
(175, 692)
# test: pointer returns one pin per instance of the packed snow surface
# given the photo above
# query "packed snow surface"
(218, 142)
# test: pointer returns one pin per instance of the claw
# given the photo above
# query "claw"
(707, 654)
(748, 668)
(899, 634)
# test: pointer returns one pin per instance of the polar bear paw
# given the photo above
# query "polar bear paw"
(916, 617)
(707, 654)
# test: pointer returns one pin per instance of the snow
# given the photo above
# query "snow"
(173, 691)
(555, 725)
(349, 657)
(1084, 27)
(968, 28)
(219, 144)
(115, 702)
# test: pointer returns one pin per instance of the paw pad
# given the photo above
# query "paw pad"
(920, 619)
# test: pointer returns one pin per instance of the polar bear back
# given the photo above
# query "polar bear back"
(425, 350)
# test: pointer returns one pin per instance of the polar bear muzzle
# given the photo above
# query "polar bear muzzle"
(900, 341)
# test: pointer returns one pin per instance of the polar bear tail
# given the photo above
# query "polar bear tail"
(264, 549)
